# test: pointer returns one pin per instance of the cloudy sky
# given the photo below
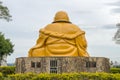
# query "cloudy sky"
(96, 17)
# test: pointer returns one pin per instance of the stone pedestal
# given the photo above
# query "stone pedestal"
(62, 64)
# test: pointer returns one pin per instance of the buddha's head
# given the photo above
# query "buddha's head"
(61, 16)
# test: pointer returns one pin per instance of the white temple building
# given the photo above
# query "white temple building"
(116, 38)
(4, 60)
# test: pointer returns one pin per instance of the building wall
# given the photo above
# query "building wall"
(62, 64)
(4, 60)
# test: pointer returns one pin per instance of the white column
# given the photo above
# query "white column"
(117, 35)
(4, 61)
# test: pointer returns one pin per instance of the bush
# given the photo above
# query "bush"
(115, 70)
(1, 76)
(64, 76)
(25, 76)
(9, 73)
(7, 70)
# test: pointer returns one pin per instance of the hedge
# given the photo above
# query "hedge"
(8, 73)
(115, 70)
(64, 76)
(7, 70)
(1, 76)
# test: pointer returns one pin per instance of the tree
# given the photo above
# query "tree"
(4, 12)
(6, 46)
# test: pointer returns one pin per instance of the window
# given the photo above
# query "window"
(38, 64)
(32, 64)
(53, 66)
(35, 64)
(90, 64)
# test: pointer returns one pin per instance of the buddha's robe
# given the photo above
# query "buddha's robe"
(61, 38)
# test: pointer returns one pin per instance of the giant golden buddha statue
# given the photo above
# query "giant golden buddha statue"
(60, 38)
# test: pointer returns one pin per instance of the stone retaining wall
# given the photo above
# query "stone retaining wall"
(62, 64)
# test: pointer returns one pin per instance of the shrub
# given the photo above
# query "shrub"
(64, 76)
(7, 70)
(1, 76)
(25, 76)
(115, 70)
(78, 76)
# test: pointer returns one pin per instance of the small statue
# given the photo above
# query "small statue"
(60, 38)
